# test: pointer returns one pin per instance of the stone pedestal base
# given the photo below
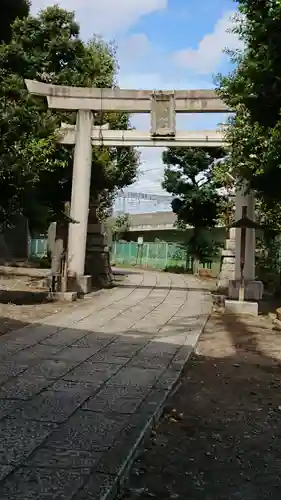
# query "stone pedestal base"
(253, 289)
(65, 296)
(239, 307)
(97, 254)
(227, 267)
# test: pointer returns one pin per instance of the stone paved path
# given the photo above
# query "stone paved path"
(78, 391)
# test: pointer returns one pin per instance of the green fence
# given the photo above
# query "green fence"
(158, 256)
(151, 255)
(37, 247)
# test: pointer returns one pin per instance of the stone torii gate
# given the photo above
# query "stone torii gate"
(162, 106)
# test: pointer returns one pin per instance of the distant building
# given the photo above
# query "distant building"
(161, 226)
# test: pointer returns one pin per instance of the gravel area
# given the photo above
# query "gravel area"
(220, 436)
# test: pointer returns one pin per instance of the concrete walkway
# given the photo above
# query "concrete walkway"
(78, 391)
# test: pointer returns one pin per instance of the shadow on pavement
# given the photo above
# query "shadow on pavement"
(222, 441)
(74, 401)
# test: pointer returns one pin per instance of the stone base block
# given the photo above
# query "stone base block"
(277, 325)
(82, 285)
(239, 307)
(65, 296)
(253, 289)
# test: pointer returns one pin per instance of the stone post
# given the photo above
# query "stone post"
(81, 181)
(243, 198)
(253, 289)
(97, 255)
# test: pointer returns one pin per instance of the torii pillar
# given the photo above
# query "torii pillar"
(80, 195)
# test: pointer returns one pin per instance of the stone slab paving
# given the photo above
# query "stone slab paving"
(79, 391)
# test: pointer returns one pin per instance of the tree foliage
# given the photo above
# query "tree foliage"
(35, 171)
(10, 11)
(223, 176)
(188, 177)
(253, 90)
(121, 226)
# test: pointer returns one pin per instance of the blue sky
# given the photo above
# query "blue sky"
(162, 44)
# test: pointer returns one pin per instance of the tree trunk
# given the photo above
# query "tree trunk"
(196, 263)
(196, 259)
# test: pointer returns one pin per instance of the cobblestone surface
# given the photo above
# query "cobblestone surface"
(78, 391)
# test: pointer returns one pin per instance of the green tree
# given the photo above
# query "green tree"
(188, 177)
(222, 174)
(253, 90)
(35, 171)
(121, 226)
(10, 11)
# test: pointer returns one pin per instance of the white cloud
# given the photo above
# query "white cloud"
(209, 53)
(107, 17)
(133, 49)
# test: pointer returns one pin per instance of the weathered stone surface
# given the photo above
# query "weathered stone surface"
(35, 352)
(146, 361)
(73, 388)
(74, 354)
(100, 486)
(94, 342)
(105, 357)
(52, 406)
(116, 459)
(30, 335)
(51, 368)
(7, 406)
(91, 372)
(42, 484)
(87, 431)
(9, 368)
(66, 459)
(181, 356)
(124, 349)
(8, 348)
(169, 379)
(116, 399)
(64, 337)
(23, 387)
(18, 438)
(4, 471)
(135, 377)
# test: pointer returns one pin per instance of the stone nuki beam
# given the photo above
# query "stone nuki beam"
(126, 138)
(131, 101)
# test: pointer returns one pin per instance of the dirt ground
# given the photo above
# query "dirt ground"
(23, 301)
(220, 438)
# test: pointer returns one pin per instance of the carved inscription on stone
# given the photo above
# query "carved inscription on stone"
(163, 116)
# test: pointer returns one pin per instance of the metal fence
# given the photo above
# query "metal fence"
(158, 256)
